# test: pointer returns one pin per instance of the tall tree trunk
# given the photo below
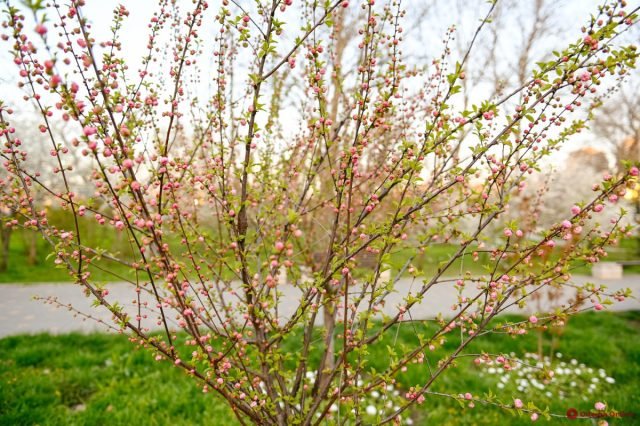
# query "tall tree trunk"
(5, 236)
(31, 238)
(329, 359)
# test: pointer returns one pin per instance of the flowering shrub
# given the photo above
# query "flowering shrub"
(264, 189)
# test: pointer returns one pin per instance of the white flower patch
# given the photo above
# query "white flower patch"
(547, 376)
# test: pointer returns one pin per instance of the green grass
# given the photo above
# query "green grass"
(438, 254)
(41, 268)
(100, 379)
(22, 269)
(95, 380)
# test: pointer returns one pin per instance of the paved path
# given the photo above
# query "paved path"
(20, 313)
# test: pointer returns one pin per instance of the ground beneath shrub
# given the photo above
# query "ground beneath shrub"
(76, 379)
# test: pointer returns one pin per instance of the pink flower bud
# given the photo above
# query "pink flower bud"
(41, 29)
(89, 131)
(533, 319)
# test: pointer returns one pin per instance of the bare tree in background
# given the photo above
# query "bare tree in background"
(618, 123)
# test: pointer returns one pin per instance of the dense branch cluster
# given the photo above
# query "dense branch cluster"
(272, 199)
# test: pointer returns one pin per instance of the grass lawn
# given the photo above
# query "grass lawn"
(97, 379)
(44, 270)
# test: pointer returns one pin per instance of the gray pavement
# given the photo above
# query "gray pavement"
(21, 313)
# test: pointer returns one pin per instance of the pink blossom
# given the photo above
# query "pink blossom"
(633, 171)
(598, 307)
(468, 396)
(89, 131)
(599, 406)
(55, 80)
(533, 319)
(508, 233)
(598, 208)
(575, 210)
(566, 224)
(41, 29)
(534, 417)
(279, 246)
(518, 403)
(127, 164)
